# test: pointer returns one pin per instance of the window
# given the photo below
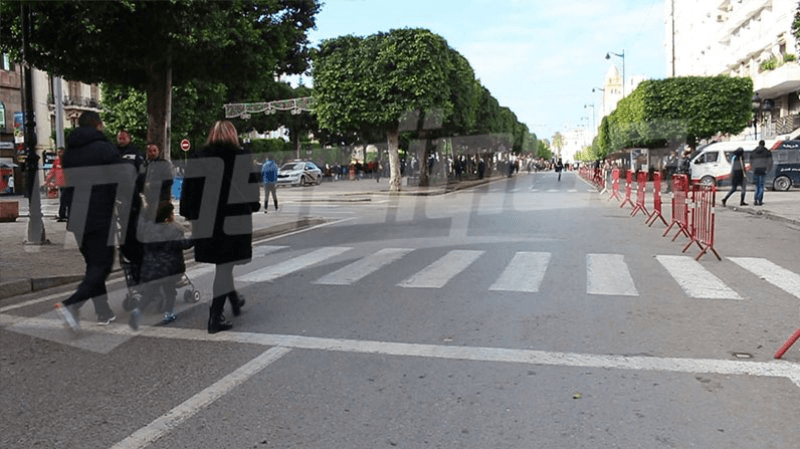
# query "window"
(6, 63)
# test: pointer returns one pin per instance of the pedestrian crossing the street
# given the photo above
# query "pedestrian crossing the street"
(525, 271)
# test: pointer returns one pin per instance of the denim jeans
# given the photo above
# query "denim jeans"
(759, 180)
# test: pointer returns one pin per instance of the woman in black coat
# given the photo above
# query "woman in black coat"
(737, 176)
(227, 241)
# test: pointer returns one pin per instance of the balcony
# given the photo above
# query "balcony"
(780, 81)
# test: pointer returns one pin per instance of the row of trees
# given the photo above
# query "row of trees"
(408, 80)
(168, 67)
(665, 113)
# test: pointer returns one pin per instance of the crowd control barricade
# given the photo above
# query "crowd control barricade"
(641, 194)
(680, 206)
(702, 219)
(656, 214)
(615, 184)
(628, 187)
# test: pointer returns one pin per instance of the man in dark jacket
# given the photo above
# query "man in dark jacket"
(761, 163)
(94, 169)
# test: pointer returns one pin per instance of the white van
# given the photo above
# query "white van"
(712, 163)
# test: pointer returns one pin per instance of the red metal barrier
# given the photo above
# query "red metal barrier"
(628, 183)
(702, 219)
(641, 193)
(656, 214)
(615, 184)
(785, 347)
(680, 206)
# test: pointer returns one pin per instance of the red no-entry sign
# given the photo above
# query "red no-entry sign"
(185, 145)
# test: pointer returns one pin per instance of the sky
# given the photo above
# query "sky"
(539, 58)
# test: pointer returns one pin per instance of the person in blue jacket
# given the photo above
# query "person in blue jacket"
(269, 176)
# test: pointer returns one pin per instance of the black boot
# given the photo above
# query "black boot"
(236, 303)
(218, 324)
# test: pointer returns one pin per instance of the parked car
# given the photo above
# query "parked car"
(712, 164)
(298, 173)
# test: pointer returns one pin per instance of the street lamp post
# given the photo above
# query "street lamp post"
(621, 55)
(594, 122)
(603, 103)
(756, 101)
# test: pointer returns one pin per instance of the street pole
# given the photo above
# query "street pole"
(36, 234)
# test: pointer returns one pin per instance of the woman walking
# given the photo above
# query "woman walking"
(228, 240)
(737, 176)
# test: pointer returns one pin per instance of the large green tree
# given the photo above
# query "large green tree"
(373, 82)
(680, 109)
(154, 45)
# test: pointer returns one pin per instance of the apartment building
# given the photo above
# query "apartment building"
(750, 38)
(76, 98)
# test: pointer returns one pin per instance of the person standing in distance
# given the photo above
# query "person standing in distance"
(56, 178)
(761, 162)
(559, 167)
(87, 146)
(228, 245)
(269, 176)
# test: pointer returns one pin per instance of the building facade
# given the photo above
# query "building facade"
(744, 38)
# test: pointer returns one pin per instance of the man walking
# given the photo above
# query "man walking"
(761, 162)
(91, 214)
(269, 176)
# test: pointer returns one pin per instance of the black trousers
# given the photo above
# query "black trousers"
(99, 258)
(222, 289)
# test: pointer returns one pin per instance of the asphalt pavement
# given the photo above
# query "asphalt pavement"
(26, 267)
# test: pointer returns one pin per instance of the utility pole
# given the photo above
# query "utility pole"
(36, 234)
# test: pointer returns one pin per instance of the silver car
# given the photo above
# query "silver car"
(299, 173)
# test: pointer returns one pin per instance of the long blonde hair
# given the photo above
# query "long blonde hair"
(223, 131)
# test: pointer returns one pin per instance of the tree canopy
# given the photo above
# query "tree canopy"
(152, 45)
(677, 109)
(364, 84)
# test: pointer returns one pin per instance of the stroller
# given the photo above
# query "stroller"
(131, 270)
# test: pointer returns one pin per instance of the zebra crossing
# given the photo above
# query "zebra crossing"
(524, 272)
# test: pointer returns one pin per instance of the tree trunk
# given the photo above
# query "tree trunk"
(393, 141)
(159, 107)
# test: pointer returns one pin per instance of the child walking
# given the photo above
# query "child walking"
(162, 263)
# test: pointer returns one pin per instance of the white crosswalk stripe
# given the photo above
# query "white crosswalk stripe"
(437, 274)
(695, 280)
(292, 265)
(772, 273)
(607, 274)
(524, 273)
(363, 267)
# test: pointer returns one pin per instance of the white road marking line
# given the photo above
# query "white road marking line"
(357, 270)
(263, 250)
(524, 273)
(695, 280)
(774, 368)
(774, 274)
(290, 266)
(165, 423)
(608, 274)
(437, 274)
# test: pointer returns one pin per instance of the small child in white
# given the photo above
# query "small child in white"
(162, 263)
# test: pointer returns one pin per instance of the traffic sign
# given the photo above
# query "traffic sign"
(185, 145)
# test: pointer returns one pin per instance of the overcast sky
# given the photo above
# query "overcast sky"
(539, 58)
